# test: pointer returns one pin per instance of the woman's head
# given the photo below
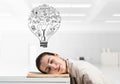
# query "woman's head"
(52, 63)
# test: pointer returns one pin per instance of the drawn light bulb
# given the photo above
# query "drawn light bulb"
(44, 21)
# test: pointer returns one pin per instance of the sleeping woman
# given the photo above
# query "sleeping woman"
(81, 72)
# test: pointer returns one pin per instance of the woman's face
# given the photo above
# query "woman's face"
(53, 64)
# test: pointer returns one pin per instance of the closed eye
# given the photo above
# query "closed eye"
(51, 61)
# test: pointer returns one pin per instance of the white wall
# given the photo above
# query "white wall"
(71, 41)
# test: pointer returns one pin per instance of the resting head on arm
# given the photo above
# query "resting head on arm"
(51, 63)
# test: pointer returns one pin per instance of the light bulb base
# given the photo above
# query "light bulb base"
(43, 44)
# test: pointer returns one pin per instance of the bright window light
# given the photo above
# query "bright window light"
(72, 5)
(112, 21)
(78, 21)
(5, 14)
(68, 5)
(73, 15)
(116, 14)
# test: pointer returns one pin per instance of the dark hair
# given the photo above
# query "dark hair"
(38, 60)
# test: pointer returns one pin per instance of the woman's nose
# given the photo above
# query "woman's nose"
(53, 66)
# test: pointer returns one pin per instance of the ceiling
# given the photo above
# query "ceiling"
(83, 11)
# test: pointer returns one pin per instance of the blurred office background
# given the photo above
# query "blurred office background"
(89, 29)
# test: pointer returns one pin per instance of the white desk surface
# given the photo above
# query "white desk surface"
(23, 79)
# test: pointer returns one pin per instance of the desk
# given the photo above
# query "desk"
(34, 80)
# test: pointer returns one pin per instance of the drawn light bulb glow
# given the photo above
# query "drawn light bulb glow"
(44, 21)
